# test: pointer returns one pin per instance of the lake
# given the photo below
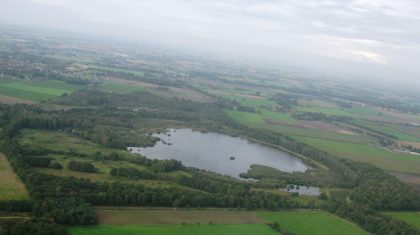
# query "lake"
(218, 153)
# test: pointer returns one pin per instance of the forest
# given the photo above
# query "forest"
(370, 188)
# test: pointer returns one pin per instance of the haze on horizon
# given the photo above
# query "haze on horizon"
(375, 39)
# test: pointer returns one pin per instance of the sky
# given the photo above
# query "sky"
(364, 39)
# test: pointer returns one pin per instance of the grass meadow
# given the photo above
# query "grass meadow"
(352, 146)
(11, 188)
(134, 221)
(36, 90)
(313, 223)
(385, 159)
(411, 217)
(120, 88)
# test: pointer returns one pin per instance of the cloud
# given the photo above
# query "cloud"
(383, 32)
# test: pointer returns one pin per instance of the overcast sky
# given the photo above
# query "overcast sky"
(365, 38)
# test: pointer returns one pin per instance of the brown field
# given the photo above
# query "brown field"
(133, 83)
(132, 216)
(317, 102)
(13, 100)
(183, 93)
(325, 127)
(11, 188)
(316, 125)
(414, 144)
(407, 178)
(396, 116)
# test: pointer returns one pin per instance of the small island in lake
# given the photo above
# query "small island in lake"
(232, 158)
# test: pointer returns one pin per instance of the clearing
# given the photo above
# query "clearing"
(11, 188)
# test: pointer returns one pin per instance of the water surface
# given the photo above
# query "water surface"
(214, 152)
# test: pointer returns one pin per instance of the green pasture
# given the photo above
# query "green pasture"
(284, 124)
(411, 217)
(385, 159)
(404, 133)
(120, 88)
(312, 223)
(11, 188)
(36, 90)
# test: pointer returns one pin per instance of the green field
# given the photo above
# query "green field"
(312, 223)
(352, 146)
(196, 222)
(355, 112)
(284, 124)
(248, 118)
(189, 229)
(11, 188)
(405, 133)
(325, 110)
(35, 90)
(385, 159)
(245, 100)
(120, 88)
(412, 218)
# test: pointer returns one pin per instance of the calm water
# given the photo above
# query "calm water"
(211, 151)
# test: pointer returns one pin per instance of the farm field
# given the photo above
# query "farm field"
(365, 112)
(312, 223)
(145, 216)
(35, 90)
(120, 88)
(356, 112)
(248, 118)
(11, 188)
(214, 221)
(385, 159)
(403, 133)
(14, 100)
(353, 146)
(249, 101)
(284, 124)
(189, 229)
(412, 218)
(118, 85)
